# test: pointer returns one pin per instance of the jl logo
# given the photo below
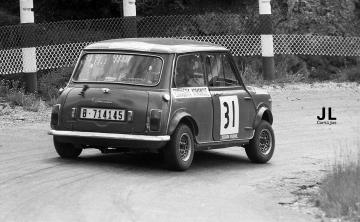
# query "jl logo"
(322, 119)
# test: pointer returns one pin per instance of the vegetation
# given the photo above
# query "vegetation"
(340, 191)
(51, 81)
(325, 17)
(14, 94)
(12, 89)
(292, 68)
(311, 16)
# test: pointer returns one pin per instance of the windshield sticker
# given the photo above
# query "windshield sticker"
(191, 92)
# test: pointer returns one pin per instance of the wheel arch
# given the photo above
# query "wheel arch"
(263, 113)
(183, 117)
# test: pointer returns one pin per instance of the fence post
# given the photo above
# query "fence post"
(267, 42)
(129, 10)
(28, 53)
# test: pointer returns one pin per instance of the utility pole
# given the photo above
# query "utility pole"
(28, 53)
(130, 25)
(267, 41)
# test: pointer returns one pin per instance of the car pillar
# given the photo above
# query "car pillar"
(267, 43)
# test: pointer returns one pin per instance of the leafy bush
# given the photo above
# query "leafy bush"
(352, 74)
(51, 82)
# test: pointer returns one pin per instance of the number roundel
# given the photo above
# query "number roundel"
(229, 115)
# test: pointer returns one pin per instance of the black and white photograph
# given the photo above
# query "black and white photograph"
(179, 110)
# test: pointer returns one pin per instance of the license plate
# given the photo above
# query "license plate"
(103, 114)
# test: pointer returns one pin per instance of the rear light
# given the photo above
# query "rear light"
(130, 116)
(55, 115)
(73, 113)
(155, 120)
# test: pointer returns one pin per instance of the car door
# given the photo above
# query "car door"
(191, 95)
(232, 104)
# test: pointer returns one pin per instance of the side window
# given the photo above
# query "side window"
(214, 70)
(229, 74)
(189, 71)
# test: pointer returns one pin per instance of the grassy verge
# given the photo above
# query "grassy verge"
(340, 190)
(14, 95)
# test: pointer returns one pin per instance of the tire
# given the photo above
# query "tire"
(179, 152)
(261, 147)
(66, 150)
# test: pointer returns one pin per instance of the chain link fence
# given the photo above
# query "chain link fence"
(58, 44)
(33, 35)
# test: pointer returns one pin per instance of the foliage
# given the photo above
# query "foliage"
(329, 17)
(51, 82)
(6, 18)
(326, 17)
(340, 190)
(351, 74)
(12, 93)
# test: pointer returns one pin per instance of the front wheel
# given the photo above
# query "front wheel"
(179, 152)
(66, 150)
(261, 147)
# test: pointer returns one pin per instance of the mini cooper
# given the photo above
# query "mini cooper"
(170, 96)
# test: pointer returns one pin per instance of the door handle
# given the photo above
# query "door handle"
(247, 98)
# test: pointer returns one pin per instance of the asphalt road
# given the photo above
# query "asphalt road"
(221, 185)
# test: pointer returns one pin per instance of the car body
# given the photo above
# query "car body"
(168, 95)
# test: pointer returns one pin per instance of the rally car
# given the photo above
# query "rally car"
(170, 96)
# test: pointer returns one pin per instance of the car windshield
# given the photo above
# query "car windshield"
(120, 68)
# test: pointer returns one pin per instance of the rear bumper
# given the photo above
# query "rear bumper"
(109, 136)
(110, 139)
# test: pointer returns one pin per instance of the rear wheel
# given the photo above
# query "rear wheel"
(261, 147)
(66, 150)
(179, 152)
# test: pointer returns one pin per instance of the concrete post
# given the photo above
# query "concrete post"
(130, 25)
(267, 43)
(28, 53)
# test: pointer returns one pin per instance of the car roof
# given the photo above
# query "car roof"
(156, 45)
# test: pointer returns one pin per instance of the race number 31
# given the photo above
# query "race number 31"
(229, 109)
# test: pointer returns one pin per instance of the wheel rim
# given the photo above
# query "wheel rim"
(265, 142)
(185, 147)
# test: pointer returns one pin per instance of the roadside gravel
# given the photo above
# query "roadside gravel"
(15, 116)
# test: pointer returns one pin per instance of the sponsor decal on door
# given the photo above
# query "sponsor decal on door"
(191, 92)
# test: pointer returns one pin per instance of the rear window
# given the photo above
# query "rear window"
(119, 68)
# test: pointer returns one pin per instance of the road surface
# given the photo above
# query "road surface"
(221, 185)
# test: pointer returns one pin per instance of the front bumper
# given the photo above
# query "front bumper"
(110, 139)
